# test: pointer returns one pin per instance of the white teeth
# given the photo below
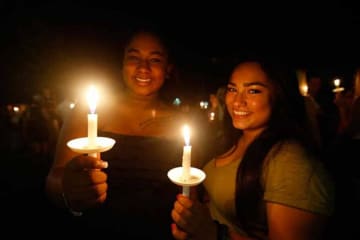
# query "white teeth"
(241, 113)
(143, 79)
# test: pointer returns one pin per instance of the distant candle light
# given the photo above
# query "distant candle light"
(305, 90)
(71, 105)
(212, 116)
(337, 88)
(337, 82)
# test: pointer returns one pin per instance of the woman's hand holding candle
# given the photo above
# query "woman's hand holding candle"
(83, 185)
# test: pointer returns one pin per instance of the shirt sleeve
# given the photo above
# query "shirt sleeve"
(294, 178)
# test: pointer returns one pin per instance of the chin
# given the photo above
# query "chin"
(240, 126)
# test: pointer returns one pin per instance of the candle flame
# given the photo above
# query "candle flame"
(186, 133)
(92, 98)
(305, 89)
(337, 82)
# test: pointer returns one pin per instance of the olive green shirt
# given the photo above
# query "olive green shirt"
(290, 177)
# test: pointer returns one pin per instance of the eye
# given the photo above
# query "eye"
(155, 60)
(254, 91)
(230, 89)
(132, 58)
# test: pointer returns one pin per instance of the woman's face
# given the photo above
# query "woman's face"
(248, 97)
(145, 65)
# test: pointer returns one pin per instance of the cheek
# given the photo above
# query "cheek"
(259, 105)
(126, 72)
(264, 109)
(262, 103)
(158, 84)
(159, 71)
(228, 100)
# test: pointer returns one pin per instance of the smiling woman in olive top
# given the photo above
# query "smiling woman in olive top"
(269, 184)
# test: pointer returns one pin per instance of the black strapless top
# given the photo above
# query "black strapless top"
(140, 195)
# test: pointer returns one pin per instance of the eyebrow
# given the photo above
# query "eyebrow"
(248, 84)
(134, 50)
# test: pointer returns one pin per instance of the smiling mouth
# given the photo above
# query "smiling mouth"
(240, 113)
(143, 80)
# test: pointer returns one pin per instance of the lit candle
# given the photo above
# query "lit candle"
(305, 89)
(337, 82)
(337, 88)
(186, 159)
(302, 82)
(92, 117)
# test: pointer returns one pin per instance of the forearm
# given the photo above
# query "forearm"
(53, 186)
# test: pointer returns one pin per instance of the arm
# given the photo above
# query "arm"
(292, 223)
(193, 219)
(299, 194)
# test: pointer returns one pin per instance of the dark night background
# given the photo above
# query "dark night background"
(53, 43)
(58, 43)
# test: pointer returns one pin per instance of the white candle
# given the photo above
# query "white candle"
(92, 117)
(186, 159)
(92, 129)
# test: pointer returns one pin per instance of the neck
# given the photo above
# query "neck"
(140, 102)
(249, 136)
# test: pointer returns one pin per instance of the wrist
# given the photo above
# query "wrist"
(67, 206)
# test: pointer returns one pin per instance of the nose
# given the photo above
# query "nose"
(239, 99)
(143, 65)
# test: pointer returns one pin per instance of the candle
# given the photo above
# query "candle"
(302, 82)
(337, 82)
(92, 117)
(337, 88)
(186, 159)
(305, 89)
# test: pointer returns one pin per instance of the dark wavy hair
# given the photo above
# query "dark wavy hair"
(288, 120)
